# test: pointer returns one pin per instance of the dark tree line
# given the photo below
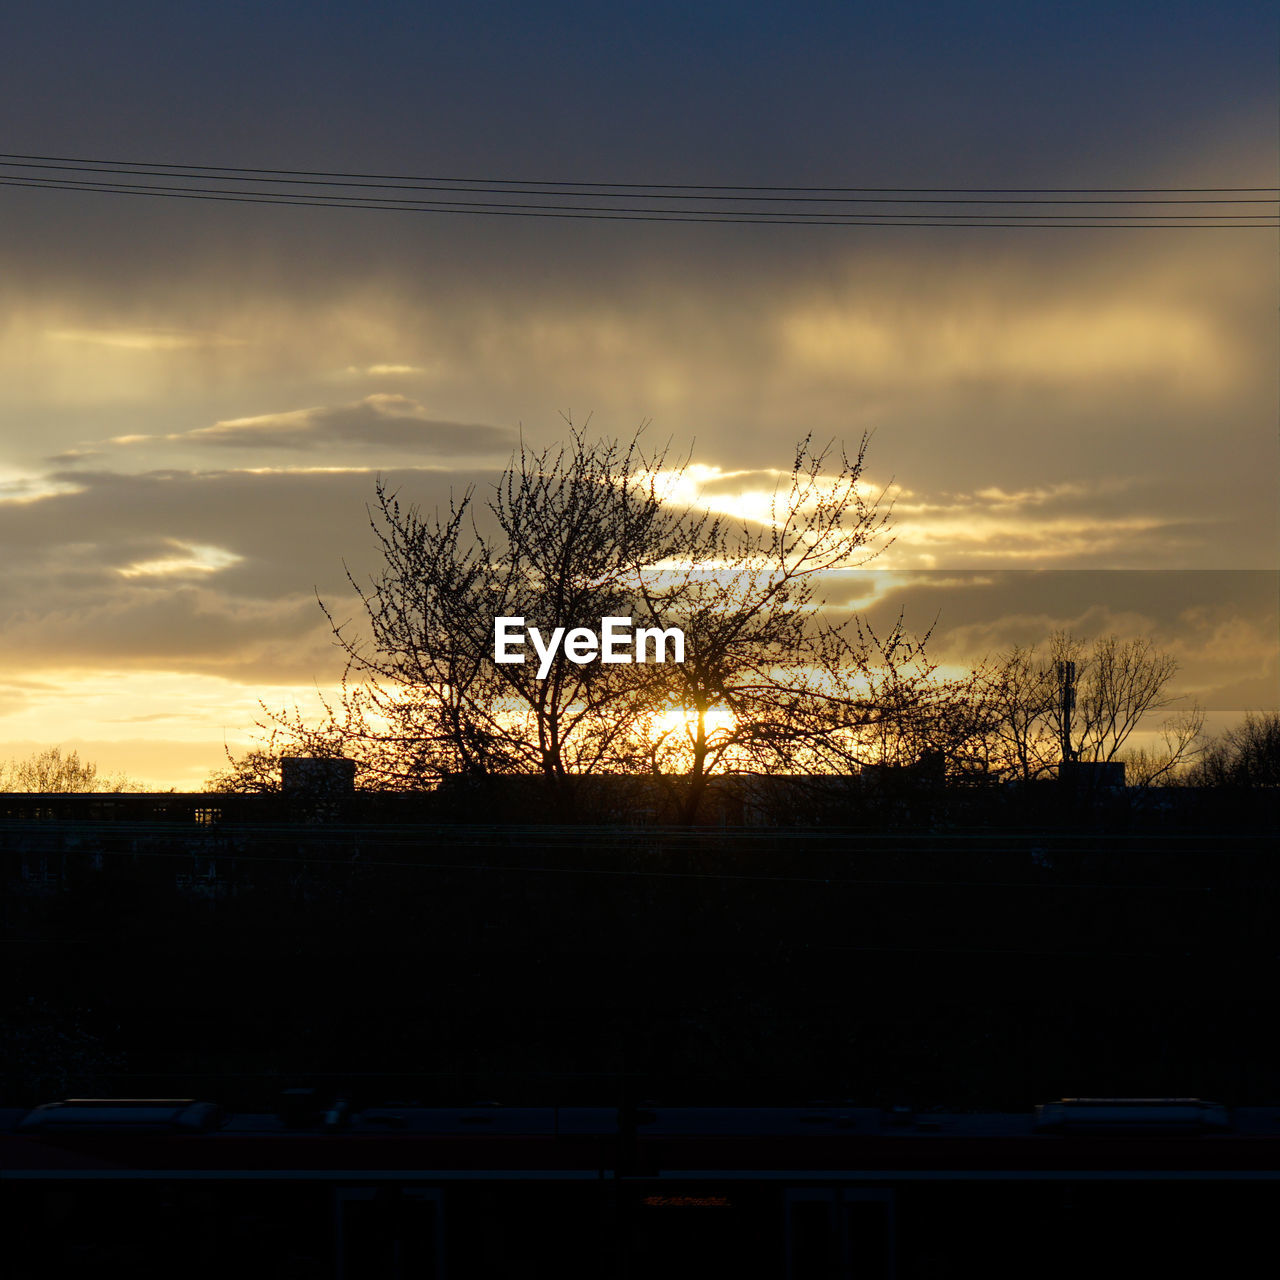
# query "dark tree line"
(774, 680)
(1245, 756)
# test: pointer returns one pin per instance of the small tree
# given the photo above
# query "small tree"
(381, 735)
(1025, 729)
(50, 772)
(772, 683)
(1166, 763)
(1118, 683)
(554, 547)
(1247, 755)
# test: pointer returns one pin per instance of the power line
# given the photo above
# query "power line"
(624, 214)
(660, 186)
(858, 206)
(603, 191)
(357, 202)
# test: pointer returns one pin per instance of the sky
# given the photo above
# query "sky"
(1079, 424)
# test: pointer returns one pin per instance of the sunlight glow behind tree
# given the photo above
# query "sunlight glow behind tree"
(771, 682)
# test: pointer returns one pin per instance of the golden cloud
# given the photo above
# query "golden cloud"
(1064, 343)
(145, 339)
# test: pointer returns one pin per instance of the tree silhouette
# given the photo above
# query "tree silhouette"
(1246, 755)
(1118, 684)
(49, 772)
(771, 681)
(554, 546)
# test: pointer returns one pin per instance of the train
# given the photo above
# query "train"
(831, 1191)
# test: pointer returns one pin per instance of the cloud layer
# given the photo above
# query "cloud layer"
(195, 399)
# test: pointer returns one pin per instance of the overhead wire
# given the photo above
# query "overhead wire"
(760, 217)
(615, 215)
(865, 206)
(319, 173)
(607, 191)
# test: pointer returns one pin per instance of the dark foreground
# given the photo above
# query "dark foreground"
(198, 953)
(641, 1193)
(902, 992)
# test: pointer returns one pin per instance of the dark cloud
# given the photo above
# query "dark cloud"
(1219, 624)
(389, 421)
(1047, 398)
(217, 571)
(211, 571)
(172, 628)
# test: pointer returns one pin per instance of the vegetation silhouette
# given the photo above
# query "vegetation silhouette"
(774, 681)
(591, 529)
(1118, 683)
(49, 771)
(1244, 756)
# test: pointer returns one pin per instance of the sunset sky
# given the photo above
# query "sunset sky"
(196, 397)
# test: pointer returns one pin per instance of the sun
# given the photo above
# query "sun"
(718, 720)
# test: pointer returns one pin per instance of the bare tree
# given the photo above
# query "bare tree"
(552, 548)
(769, 685)
(779, 681)
(1166, 762)
(382, 732)
(587, 531)
(1026, 728)
(49, 772)
(1118, 684)
(1246, 755)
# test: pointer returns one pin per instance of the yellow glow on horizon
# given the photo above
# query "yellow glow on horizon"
(717, 720)
(162, 728)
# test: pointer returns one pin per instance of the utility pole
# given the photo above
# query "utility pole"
(1067, 702)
